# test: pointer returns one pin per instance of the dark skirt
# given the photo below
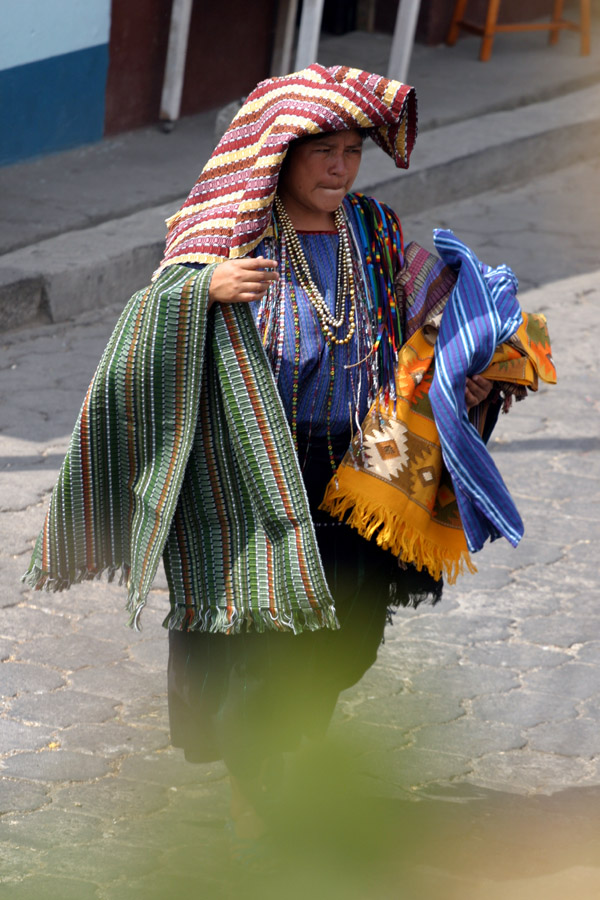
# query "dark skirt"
(245, 697)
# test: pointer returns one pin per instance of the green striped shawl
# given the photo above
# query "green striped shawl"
(182, 448)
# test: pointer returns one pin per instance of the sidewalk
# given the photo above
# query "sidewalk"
(86, 228)
(466, 764)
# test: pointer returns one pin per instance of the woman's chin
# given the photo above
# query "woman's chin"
(331, 200)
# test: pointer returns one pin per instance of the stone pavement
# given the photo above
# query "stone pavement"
(465, 764)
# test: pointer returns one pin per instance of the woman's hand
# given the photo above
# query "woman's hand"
(242, 280)
(477, 390)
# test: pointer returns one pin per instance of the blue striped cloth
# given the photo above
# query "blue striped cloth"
(481, 313)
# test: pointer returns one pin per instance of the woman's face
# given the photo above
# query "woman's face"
(317, 175)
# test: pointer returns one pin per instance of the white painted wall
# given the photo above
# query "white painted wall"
(32, 30)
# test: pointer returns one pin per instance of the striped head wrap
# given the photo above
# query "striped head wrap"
(228, 211)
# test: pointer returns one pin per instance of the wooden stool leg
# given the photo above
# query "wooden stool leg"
(457, 16)
(556, 17)
(490, 30)
(586, 16)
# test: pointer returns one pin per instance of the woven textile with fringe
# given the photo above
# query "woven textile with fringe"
(182, 446)
(399, 482)
(174, 379)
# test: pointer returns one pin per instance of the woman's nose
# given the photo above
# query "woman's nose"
(338, 164)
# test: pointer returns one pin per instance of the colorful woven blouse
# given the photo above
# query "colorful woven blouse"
(325, 388)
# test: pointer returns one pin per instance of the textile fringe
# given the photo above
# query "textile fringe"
(393, 533)
(135, 605)
(214, 619)
(39, 579)
(226, 621)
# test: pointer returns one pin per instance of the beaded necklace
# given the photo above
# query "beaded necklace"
(330, 322)
(361, 362)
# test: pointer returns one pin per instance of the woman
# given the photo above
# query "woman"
(197, 446)
(326, 381)
(319, 335)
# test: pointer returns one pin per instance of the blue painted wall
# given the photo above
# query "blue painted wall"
(53, 67)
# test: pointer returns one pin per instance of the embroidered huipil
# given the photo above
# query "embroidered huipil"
(325, 387)
(303, 362)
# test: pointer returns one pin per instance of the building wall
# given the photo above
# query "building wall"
(227, 54)
(139, 34)
(72, 71)
(53, 65)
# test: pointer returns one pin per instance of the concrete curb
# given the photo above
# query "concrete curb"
(58, 278)
(81, 270)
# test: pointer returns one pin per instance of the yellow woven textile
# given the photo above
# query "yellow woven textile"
(392, 485)
(527, 357)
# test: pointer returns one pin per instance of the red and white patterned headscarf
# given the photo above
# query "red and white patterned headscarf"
(228, 211)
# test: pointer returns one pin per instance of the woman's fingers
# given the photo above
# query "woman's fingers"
(476, 390)
(256, 271)
(242, 280)
(259, 263)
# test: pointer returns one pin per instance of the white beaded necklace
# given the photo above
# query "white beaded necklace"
(330, 322)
